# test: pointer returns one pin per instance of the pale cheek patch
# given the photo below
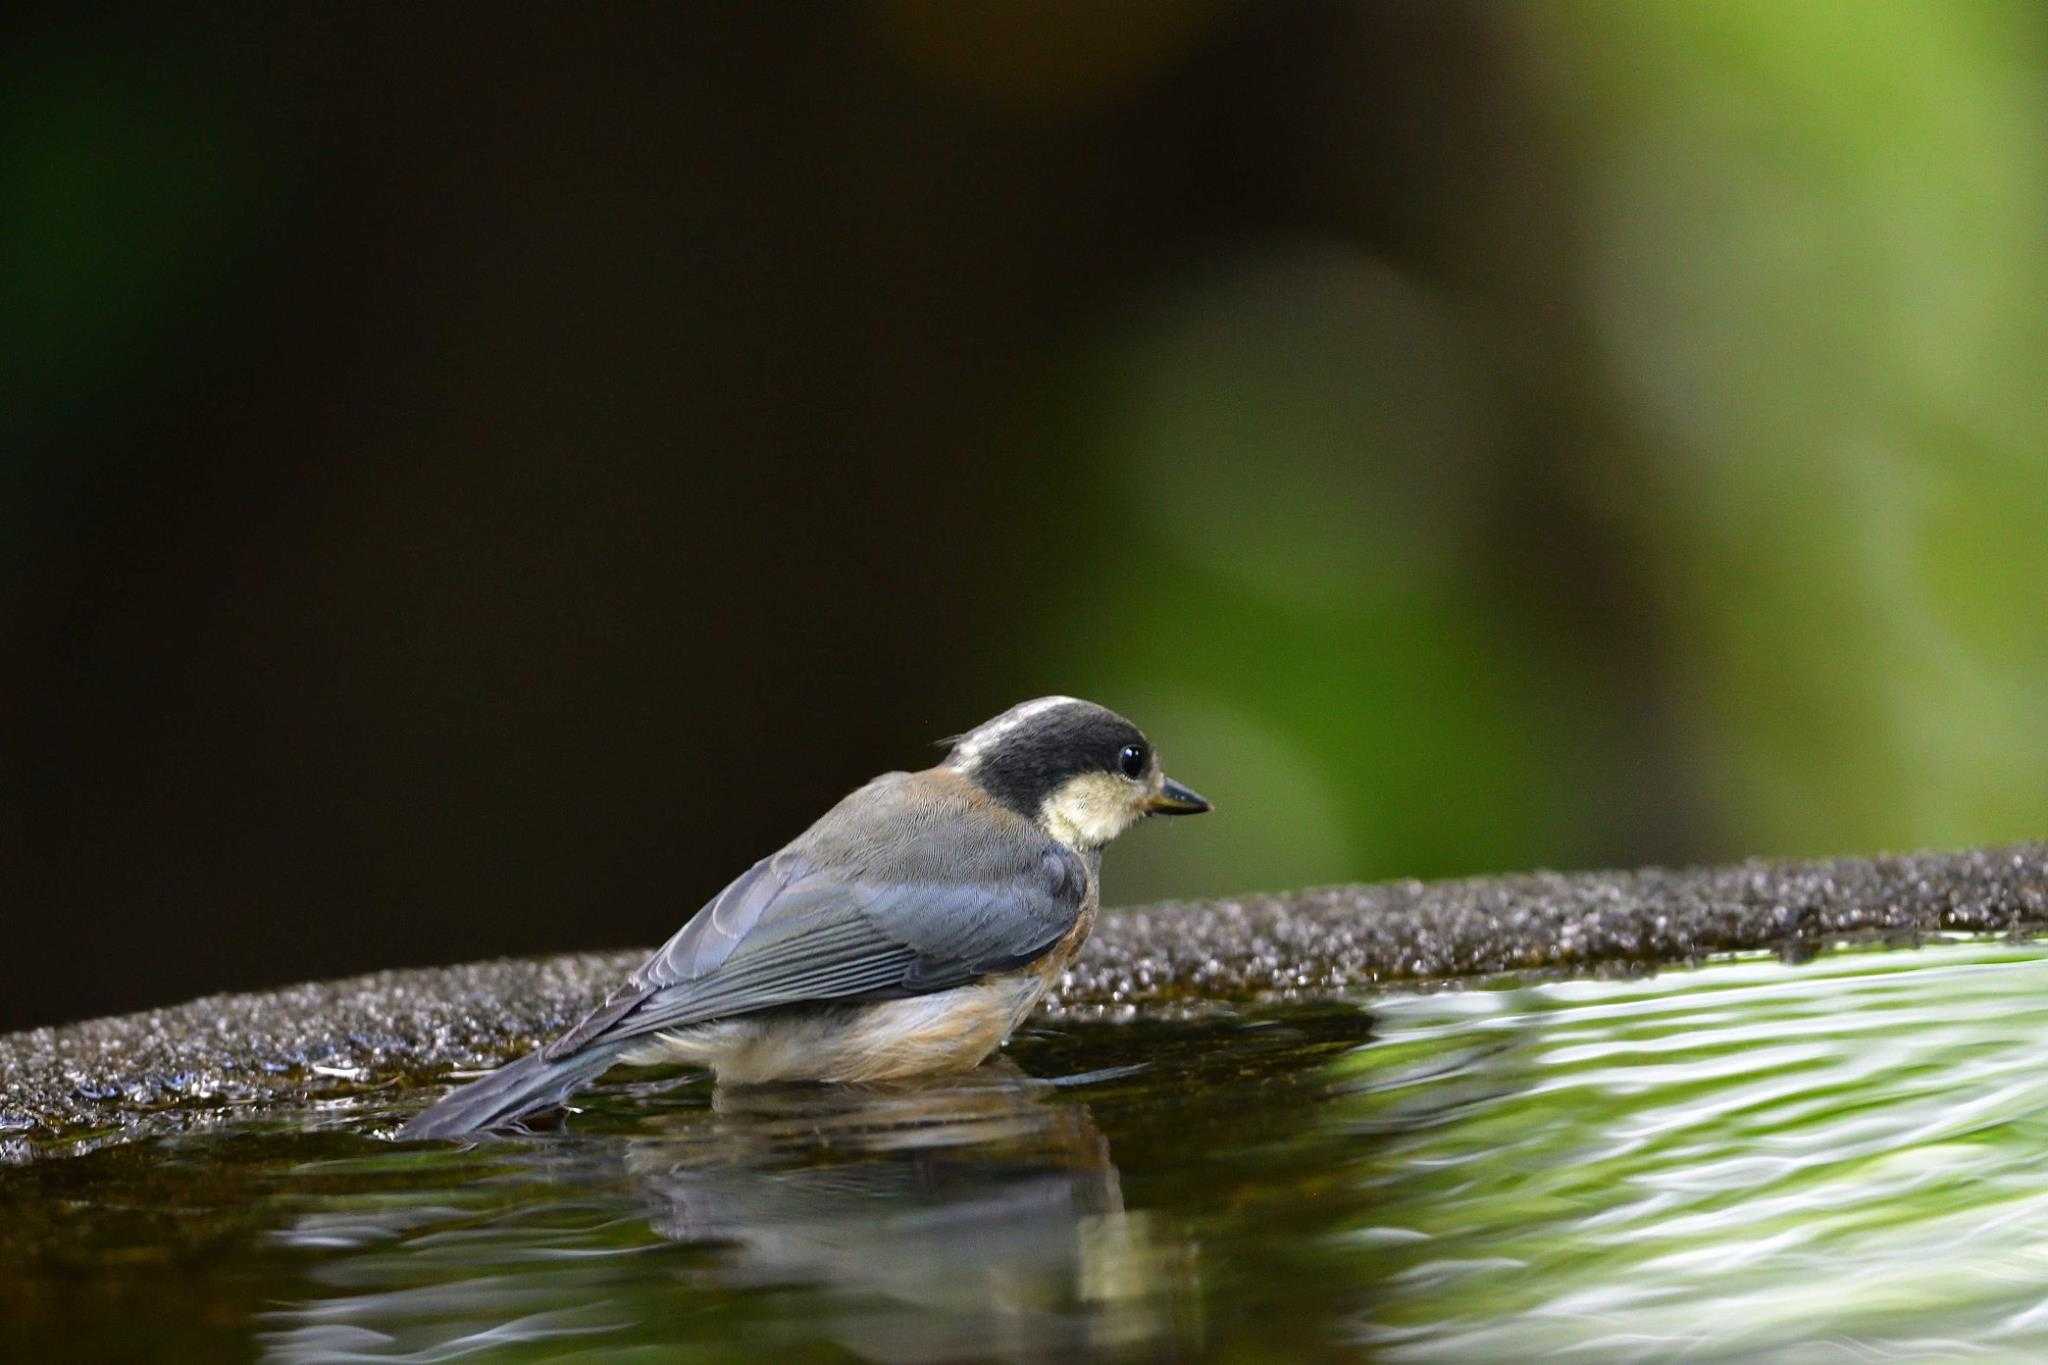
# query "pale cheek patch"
(1090, 810)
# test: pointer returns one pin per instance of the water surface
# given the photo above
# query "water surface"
(1840, 1160)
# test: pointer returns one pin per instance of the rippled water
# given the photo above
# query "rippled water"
(1841, 1160)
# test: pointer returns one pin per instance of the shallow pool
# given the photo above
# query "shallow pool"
(1842, 1160)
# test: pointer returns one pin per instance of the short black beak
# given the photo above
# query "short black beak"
(1174, 799)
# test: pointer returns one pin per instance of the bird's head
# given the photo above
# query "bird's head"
(1082, 772)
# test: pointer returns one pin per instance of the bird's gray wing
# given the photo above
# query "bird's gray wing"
(930, 913)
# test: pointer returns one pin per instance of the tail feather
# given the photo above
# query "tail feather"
(513, 1091)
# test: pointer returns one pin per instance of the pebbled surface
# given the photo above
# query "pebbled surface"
(220, 1056)
(1344, 937)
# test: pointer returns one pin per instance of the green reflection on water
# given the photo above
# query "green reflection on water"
(1744, 1158)
(1749, 1157)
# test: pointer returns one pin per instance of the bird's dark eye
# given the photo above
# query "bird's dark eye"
(1132, 760)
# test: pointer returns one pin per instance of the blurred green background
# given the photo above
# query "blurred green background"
(473, 481)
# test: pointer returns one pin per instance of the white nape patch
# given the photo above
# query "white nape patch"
(1090, 810)
(967, 754)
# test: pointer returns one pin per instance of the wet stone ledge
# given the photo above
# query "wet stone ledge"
(226, 1055)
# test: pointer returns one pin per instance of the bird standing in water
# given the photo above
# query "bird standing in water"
(908, 931)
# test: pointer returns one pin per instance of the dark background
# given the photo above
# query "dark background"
(475, 481)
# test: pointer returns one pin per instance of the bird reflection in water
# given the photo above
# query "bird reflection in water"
(978, 1202)
(973, 1215)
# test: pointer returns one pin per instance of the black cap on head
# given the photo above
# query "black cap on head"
(1030, 751)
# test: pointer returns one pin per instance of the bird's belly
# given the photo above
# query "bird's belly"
(944, 1031)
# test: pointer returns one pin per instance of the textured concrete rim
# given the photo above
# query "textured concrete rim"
(221, 1057)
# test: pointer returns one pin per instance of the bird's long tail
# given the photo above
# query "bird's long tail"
(512, 1092)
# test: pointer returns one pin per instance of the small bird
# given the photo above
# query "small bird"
(908, 931)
